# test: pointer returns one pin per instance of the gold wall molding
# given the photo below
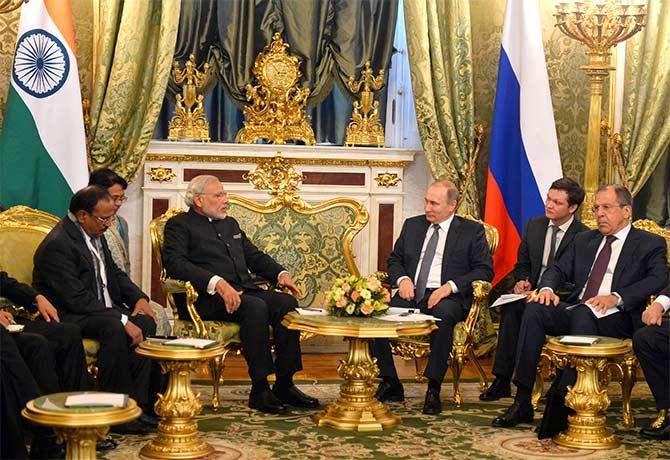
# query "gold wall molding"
(295, 161)
(161, 174)
(387, 179)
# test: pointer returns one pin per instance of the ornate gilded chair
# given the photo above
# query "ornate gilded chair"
(22, 229)
(313, 241)
(473, 337)
(623, 370)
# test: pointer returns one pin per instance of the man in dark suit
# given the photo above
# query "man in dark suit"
(545, 239)
(652, 348)
(74, 269)
(208, 248)
(433, 263)
(46, 341)
(614, 270)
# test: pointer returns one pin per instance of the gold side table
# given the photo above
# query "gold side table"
(588, 397)
(177, 434)
(356, 409)
(79, 427)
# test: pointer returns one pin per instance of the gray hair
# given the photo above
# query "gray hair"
(197, 186)
(623, 195)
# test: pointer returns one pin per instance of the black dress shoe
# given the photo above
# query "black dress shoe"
(294, 397)
(662, 433)
(46, 447)
(106, 444)
(498, 389)
(390, 391)
(432, 405)
(266, 401)
(515, 414)
(133, 427)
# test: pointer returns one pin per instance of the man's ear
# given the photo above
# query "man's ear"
(573, 208)
(81, 215)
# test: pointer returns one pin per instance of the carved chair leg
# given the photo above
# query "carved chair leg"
(538, 386)
(482, 375)
(629, 371)
(456, 369)
(420, 366)
(216, 366)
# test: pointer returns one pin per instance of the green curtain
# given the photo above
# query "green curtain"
(133, 61)
(439, 47)
(646, 125)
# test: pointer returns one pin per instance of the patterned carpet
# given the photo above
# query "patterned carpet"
(238, 432)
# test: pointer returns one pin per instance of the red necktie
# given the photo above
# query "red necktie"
(599, 269)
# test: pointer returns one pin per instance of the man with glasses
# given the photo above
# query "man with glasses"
(75, 271)
(208, 248)
(614, 270)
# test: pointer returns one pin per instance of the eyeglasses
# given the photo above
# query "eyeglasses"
(104, 220)
(606, 207)
(120, 198)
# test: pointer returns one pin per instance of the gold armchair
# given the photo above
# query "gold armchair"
(22, 229)
(472, 338)
(313, 242)
(623, 370)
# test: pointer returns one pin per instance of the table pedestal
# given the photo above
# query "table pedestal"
(586, 429)
(357, 409)
(177, 434)
(80, 442)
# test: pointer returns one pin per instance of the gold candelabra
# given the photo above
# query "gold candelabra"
(365, 128)
(600, 25)
(189, 122)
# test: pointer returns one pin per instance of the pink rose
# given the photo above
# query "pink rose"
(367, 308)
(341, 303)
(355, 295)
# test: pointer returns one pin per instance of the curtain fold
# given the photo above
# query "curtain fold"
(133, 61)
(439, 47)
(645, 125)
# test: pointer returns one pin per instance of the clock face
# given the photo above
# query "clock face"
(279, 74)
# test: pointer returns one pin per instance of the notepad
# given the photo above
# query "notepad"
(97, 399)
(15, 327)
(507, 298)
(578, 340)
(312, 311)
(191, 343)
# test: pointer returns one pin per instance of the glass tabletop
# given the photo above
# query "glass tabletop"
(56, 402)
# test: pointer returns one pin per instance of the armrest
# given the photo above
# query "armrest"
(480, 297)
(16, 310)
(173, 286)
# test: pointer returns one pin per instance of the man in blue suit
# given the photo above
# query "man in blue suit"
(433, 264)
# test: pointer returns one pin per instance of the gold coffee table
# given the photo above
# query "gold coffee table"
(357, 409)
(79, 427)
(177, 434)
(588, 397)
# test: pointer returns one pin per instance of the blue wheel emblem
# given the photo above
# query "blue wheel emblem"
(41, 63)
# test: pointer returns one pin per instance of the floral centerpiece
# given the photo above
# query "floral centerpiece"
(357, 296)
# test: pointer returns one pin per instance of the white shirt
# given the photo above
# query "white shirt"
(560, 233)
(211, 286)
(435, 273)
(617, 245)
(664, 300)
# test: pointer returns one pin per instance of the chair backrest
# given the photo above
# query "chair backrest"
(22, 229)
(653, 227)
(490, 231)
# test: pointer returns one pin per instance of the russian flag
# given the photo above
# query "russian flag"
(524, 158)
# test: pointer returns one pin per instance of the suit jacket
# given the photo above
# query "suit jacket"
(466, 256)
(195, 249)
(19, 293)
(65, 274)
(531, 248)
(640, 271)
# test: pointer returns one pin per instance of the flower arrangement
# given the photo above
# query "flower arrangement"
(357, 296)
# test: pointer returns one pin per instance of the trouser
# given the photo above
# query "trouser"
(652, 348)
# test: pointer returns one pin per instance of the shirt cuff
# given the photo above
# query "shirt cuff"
(664, 300)
(454, 288)
(619, 304)
(546, 288)
(397, 283)
(280, 274)
(124, 319)
(211, 286)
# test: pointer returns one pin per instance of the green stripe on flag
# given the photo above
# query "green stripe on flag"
(28, 174)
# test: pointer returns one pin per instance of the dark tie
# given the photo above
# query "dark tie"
(427, 261)
(599, 269)
(552, 247)
(98, 269)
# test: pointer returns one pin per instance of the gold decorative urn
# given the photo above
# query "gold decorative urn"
(365, 127)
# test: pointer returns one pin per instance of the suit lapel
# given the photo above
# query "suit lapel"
(451, 242)
(567, 238)
(538, 240)
(627, 254)
(417, 244)
(73, 232)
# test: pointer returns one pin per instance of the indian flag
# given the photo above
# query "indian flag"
(43, 144)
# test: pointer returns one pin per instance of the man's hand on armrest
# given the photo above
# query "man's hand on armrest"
(231, 297)
(45, 308)
(285, 280)
(653, 315)
(142, 308)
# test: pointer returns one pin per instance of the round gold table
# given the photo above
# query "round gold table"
(79, 427)
(177, 434)
(588, 397)
(356, 409)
